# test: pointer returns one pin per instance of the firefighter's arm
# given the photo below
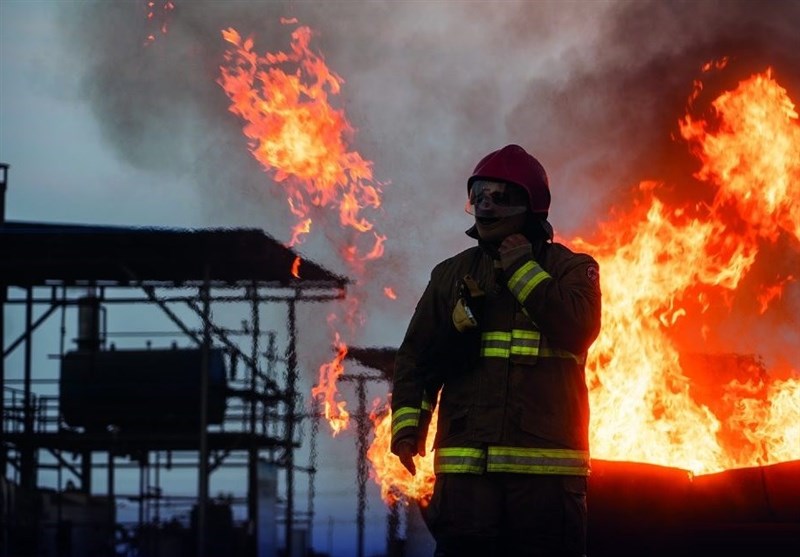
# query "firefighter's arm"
(414, 377)
(566, 308)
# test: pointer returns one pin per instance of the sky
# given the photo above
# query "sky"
(99, 128)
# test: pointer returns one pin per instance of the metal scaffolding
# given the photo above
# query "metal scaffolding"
(188, 278)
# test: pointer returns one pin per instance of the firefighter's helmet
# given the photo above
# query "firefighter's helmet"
(514, 165)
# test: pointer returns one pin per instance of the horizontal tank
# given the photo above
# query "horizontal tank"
(136, 390)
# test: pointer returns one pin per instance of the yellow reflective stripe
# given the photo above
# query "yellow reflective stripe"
(525, 334)
(499, 344)
(496, 352)
(521, 342)
(495, 344)
(427, 405)
(518, 276)
(543, 470)
(517, 460)
(523, 460)
(531, 284)
(525, 279)
(459, 460)
(404, 417)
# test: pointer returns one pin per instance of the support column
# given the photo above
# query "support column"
(202, 476)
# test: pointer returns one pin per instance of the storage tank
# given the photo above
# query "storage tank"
(137, 390)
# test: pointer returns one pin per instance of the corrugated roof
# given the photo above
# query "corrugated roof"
(35, 254)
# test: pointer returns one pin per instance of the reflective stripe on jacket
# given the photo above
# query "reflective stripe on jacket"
(519, 460)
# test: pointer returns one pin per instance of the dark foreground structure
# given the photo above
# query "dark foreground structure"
(88, 398)
(646, 510)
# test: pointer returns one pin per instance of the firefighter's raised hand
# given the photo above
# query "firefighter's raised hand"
(405, 451)
(514, 248)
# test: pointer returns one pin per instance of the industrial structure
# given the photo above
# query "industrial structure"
(199, 394)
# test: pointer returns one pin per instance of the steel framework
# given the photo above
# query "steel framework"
(187, 276)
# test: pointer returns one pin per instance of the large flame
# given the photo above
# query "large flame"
(298, 135)
(301, 140)
(663, 266)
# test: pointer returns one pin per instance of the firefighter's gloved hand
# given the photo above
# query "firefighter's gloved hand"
(405, 451)
(513, 248)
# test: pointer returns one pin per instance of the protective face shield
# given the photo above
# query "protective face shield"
(489, 200)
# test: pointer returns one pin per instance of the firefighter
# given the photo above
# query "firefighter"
(501, 333)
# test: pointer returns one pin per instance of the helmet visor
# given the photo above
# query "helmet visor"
(491, 199)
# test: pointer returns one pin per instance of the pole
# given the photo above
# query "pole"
(291, 391)
(202, 487)
(361, 467)
(3, 187)
(28, 474)
(252, 463)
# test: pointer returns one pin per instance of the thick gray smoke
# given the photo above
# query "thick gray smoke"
(592, 88)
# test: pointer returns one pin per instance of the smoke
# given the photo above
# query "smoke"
(593, 89)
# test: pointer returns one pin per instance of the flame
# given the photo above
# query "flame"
(325, 390)
(301, 140)
(296, 267)
(297, 135)
(389, 292)
(664, 265)
(666, 268)
(396, 483)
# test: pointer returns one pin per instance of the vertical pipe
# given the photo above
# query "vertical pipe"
(252, 461)
(361, 467)
(3, 187)
(28, 474)
(202, 488)
(291, 392)
(112, 515)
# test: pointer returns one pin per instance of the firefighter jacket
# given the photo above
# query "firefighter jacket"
(513, 389)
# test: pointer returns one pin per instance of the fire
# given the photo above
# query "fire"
(301, 140)
(664, 268)
(334, 411)
(296, 267)
(759, 113)
(297, 135)
(389, 292)
(663, 265)
(394, 480)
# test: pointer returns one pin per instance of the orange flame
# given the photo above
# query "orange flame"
(664, 268)
(394, 480)
(664, 265)
(302, 141)
(389, 292)
(296, 134)
(325, 390)
(296, 267)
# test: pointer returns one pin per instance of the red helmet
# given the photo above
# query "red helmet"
(515, 165)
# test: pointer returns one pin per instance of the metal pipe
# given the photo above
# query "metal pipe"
(291, 391)
(28, 474)
(252, 469)
(361, 440)
(202, 488)
(3, 295)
